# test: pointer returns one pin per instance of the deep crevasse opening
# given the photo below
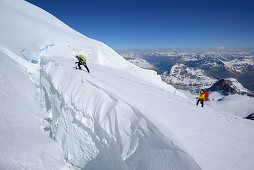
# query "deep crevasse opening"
(98, 130)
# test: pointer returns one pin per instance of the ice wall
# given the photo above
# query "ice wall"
(97, 130)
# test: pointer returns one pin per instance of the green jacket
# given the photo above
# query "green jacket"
(82, 58)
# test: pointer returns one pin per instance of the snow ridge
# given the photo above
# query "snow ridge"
(23, 143)
(92, 133)
(100, 121)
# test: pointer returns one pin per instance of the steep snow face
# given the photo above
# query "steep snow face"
(23, 142)
(28, 32)
(117, 117)
(97, 128)
(184, 77)
(100, 125)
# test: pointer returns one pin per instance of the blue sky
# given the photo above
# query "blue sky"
(159, 23)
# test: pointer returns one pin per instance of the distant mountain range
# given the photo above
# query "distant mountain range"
(142, 63)
(197, 67)
(229, 86)
(187, 78)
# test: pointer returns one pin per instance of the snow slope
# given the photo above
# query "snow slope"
(236, 106)
(94, 119)
(128, 114)
(240, 105)
(117, 117)
(28, 31)
(23, 142)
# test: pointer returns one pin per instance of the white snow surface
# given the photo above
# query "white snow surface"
(239, 105)
(23, 142)
(30, 32)
(117, 117)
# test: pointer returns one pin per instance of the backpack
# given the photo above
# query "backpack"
(206, 95)
(83, 59)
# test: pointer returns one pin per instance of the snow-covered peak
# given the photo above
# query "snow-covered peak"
(184, 77)
(117, 117)
(237, 85)
(229, 86)
(30, 32)
(239, 65)
(141, 63)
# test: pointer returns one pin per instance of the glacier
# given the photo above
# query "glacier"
(117, 117)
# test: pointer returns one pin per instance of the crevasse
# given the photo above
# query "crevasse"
(98, 130)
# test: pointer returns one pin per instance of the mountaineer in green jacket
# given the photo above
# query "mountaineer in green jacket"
(81, 61)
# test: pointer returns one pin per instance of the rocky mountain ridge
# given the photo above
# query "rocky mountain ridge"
(217, 63)
(229, 86)
(187, 78)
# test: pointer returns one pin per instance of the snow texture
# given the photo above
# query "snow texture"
(23, 143)
(240, 105)
(117, 117)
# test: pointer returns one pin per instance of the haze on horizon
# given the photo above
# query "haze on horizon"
(159, 24)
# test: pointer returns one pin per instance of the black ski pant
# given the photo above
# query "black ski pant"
(202, 102)
(79, 65)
